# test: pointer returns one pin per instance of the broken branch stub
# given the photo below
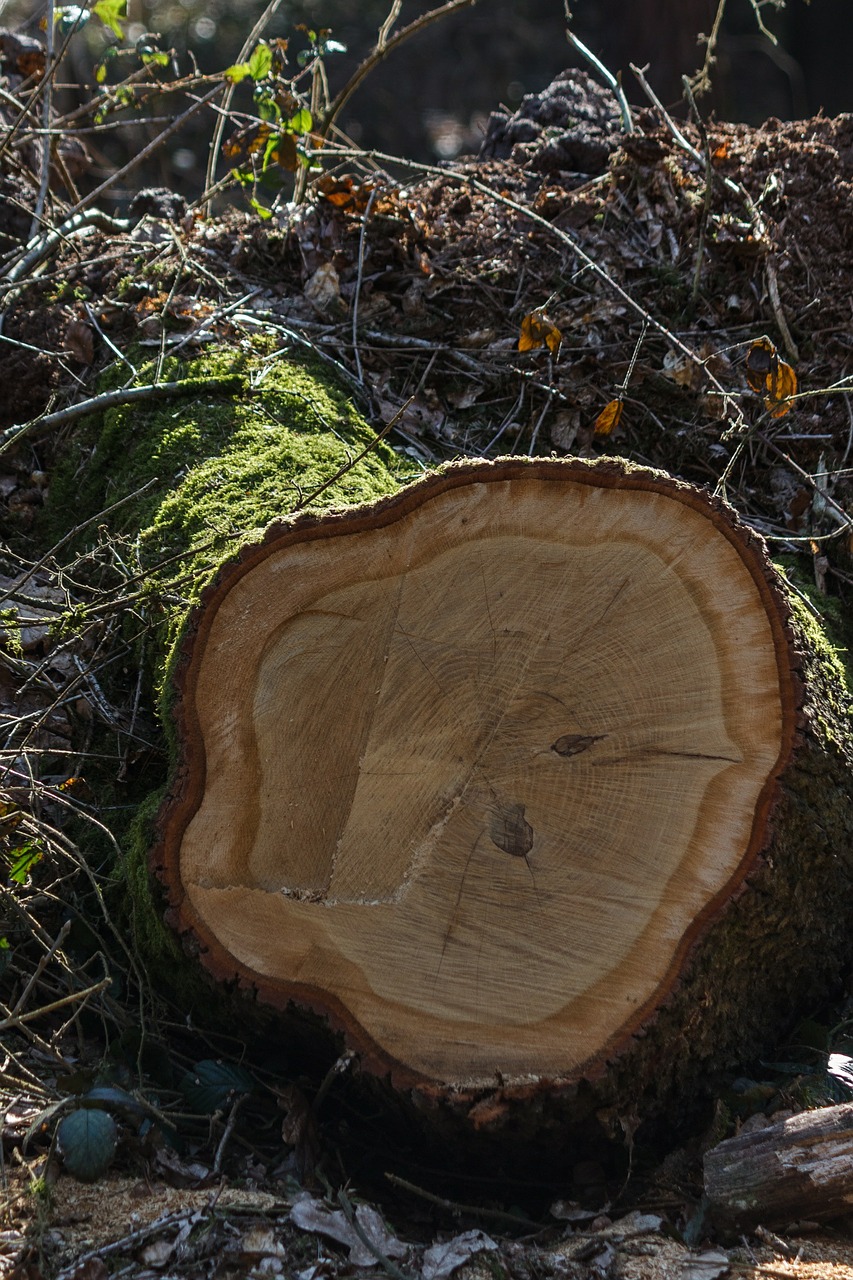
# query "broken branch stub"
(471, 770)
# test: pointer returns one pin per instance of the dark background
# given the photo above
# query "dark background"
(431, 99)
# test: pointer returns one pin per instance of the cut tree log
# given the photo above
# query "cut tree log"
(525, 779)
(799, 1169)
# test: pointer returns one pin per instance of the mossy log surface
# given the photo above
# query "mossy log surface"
(591, 821)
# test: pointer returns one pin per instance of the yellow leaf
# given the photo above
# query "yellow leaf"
(608, 419)
(538, 330)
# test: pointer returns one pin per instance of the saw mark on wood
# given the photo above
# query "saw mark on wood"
(661, 751)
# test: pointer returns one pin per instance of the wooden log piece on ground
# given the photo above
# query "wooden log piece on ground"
(799, 1169)
(484, 774)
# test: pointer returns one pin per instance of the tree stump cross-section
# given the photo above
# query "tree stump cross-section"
(469, 771)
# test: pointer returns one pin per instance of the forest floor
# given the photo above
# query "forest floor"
(680, 297)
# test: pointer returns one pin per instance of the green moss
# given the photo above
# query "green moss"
(828, 630)
(196, 478)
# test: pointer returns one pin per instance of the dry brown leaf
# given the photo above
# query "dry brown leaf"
(323, 290)
(79, 341)
(344, 192)
(609, 418)
(538, 330)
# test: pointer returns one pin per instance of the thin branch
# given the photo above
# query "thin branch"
(230, 384)
(387, 26)
(379, 53)
(153, 145)
(701, 81)
(361, 241)
(40, 968)
(609, 78)
(778, 314)
(47, 110)
(19, 1019)
(706, 203)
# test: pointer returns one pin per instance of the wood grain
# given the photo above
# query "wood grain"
(469, 771)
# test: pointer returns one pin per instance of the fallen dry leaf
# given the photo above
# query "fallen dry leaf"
(538, 330)
(315, 1215)
(609, 418)
(441, 1260)
(323, 290)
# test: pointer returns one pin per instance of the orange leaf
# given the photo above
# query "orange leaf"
(770, 377)
(608, 419)
(538, 330)
(780, 388)
(761, 362)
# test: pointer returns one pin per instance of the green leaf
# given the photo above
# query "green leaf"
(261, 210)
(155, 56)
(108, 1095)
(268, 110)
(5, 955)
(100, 72)
(111, 13)
(238, 72)
(212, 1085)
(22, 860)
(302, 122)
(260, 61)
(87, 1142)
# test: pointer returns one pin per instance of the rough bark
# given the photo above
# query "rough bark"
(799, 1169)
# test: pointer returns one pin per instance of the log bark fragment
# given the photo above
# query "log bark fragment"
(483, 774)
(798, 1169)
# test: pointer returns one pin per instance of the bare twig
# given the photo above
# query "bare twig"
(778, 313)
(352, 462)
(388, 25)
(40, 968)
(613, 83)
(706, 203)
(361, 241)
(47, 109)
(141, 156)
(229, 1130)
(73, 997)
(457, 1209)
(227, 384)
(701, 81)
(387, 1265)
(379, 53)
